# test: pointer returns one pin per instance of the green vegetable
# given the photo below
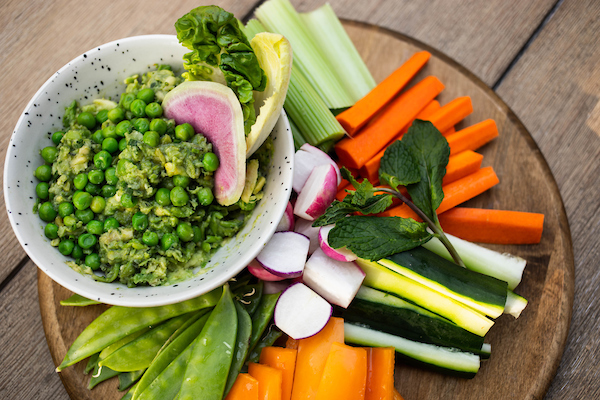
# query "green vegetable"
(126, 379)
(221, 53)
(242, 342)
(86, 119)
(262, 316)
(47, 212)
(51, 231)
(41, 189)
(93, 261)
(43, 173)
(268, 339)
(78, 301)
(49, 154)
(57, 137)
(116, 115)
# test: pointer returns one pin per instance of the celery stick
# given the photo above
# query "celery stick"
(296, 134)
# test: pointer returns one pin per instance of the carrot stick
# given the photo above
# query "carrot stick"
(397, 395)
(493, 226)
(355, 151)
(461, 165)
(269, 381)
(473, 137)
(449, 132)
(245, 387)
(455, 193)
(311, 359)
(452, 113)
(380, 373)
(360, 113)
(345, 374)
(284, 360)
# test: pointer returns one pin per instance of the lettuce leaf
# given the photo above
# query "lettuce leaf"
(221, 53)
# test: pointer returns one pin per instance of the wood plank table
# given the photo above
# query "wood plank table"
(539, 56)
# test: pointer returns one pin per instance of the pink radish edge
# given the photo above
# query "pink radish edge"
(285, 254)
(287, 220)
(317, 194)
(258, 271)
(341, 254)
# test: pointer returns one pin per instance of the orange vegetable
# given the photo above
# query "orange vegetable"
(493, 226)
(345, 374)
(451, 113)
(449, 132)
(397, 395)
(360, 113)
(284, 360)
(380, 373)
(291, 343)
(269, 381)
(311, 359)
(355, 151)
(461, 165)
(455, 193)
(473, 137)
(245, 387)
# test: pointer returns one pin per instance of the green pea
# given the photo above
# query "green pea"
(86, 119)
(158, 125)
(126, 100)
(150, 238)
(51, 231)
(84, 216)
(80, 181)
(87, 241)
(102, 116)
(47, 212)
(65, 208)
(124, 127)
(41, 189)
(69, 221)
(151, 138)
(98, 204)
(43, 173)
(205, 196)
(116, 115)
(122, 166)
(96, 176)
(181, 180)
(110, 131)
(82, 200)
(110, 175)
(93, 261)
(122, 144)
(154, 110)
(49, 154)
(77, 252)
(110, 223)
(163, 197)
(179, 196)
(102, 160)
(108, 190)
(185, 231)
(206, 247)
(98, 136)
(110, 144)
(210, 162)
(142, 125)
(57, 137)
(146, 94)
(139, 221)
(95, 227)
(66, 247)
(128, 200)
(138, 108)
(184, 131)
(168, 240)
(92, 188)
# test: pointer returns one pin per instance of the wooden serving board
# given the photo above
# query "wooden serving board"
(525, 351)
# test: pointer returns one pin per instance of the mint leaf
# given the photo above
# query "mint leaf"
(364, 189)
(338, 210)
(431, 150)
(374, 238)
(399, 166)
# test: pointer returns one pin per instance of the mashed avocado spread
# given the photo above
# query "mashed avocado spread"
(128, 194)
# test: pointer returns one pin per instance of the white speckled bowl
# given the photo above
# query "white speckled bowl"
(100, 72)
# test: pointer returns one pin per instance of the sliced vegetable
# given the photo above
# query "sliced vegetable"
(461, 165)
(78, 301)
(472, 137)
(284, 360)
(380, 373)
(305, 160)
(242, 344)
(269, 381)
(344, 375)
(284, 254)
(515, 304)
(244, 388)
(451, 114)
(256, 269)
(305, 228)
(341, 254)
(317, 193)
(287, 220)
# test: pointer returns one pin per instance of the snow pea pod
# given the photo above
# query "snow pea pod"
(129, 394)
(208, 367)
(107, 351)
(101, 374)
(244, 331)
(262, 317)
(249, 296)
(118, 322)
(78, 301)
(267, 340)
(166, 356)
(126, 379)
(92, 362)
(139, 353)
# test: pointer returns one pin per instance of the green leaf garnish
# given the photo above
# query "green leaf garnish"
(338, 210)
(399, 166)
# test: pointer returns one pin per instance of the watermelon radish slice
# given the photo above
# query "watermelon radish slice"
(215, 112)
(285, 254)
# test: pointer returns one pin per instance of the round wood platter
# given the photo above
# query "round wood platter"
(525, 351)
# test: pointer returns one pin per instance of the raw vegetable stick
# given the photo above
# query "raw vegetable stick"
(312, 355)
(472, 137)
(455, 193)
(344, 374)
(397, 395)
(269, 381)
(493, 226)
(284, 360)
(380, 373)
(244, 388)
(363, 110)
(354, 152)
(461, 165)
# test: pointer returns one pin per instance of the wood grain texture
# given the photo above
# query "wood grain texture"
(555, 87)
(484, 36)
(530, 347)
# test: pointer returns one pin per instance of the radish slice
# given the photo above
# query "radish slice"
(258, 271)
(317, 194)
(305, 228)
(336, 281)
(341, 254)
(300, 312)
(272, 287)
(305, 160)
(287, 220)
(285, 254)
